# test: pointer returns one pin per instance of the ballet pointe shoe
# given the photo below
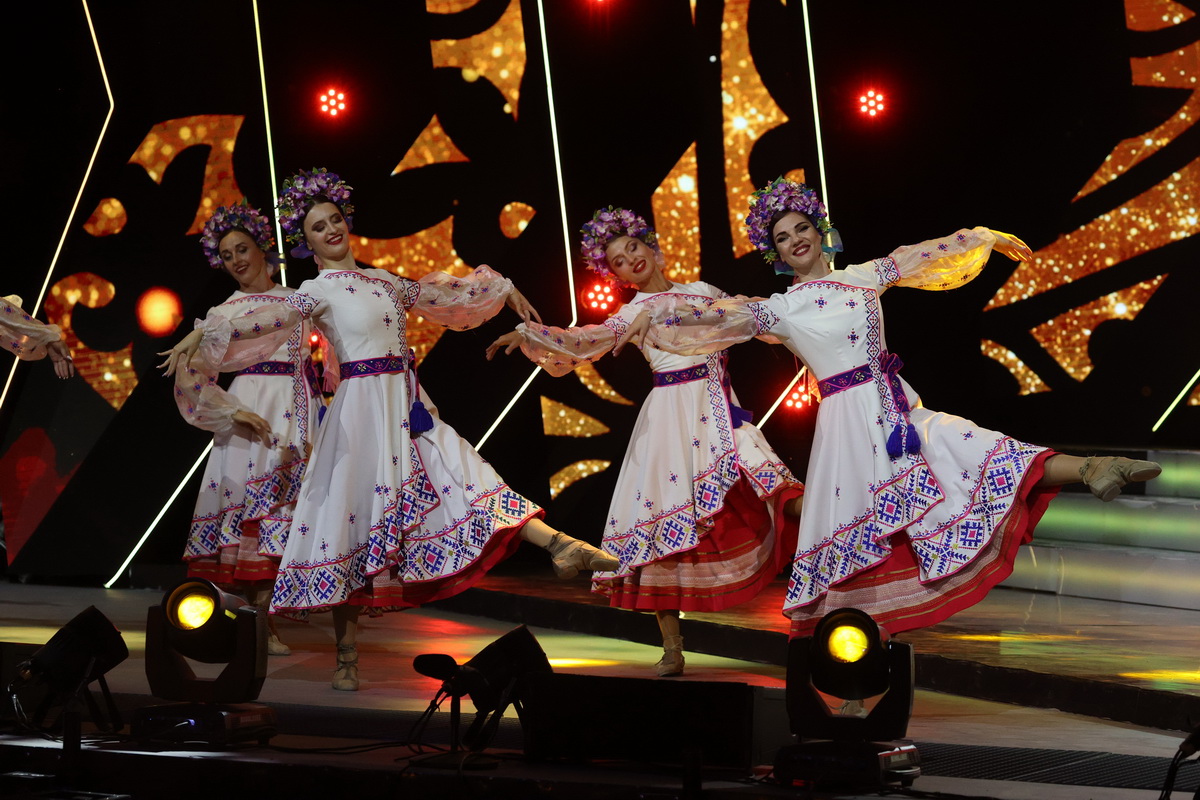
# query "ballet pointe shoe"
(1106, 477)
(275, 647)
(671, 664)
(569, 555)
(345, 677)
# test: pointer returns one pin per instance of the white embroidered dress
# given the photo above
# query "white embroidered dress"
(684, 457)
(245, 480)
(385, 518)
(964, 497)
(21, 334)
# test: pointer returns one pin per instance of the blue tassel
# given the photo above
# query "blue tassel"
(913, 445)
(419, 420)
(895, 442)
(740, 415)
(321, 413)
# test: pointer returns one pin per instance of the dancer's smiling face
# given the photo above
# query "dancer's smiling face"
(242, 258)
(631, 260)
(326, 232)
(797, 241)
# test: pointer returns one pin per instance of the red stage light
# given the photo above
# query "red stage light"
(871, 103)
(332, 102)
(599, 296)
(159, 311)
(798, 399)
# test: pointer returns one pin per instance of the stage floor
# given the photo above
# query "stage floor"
(1099, 643)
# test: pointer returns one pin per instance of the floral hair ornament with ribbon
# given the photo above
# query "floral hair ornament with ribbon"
(300, 193)
(784, 195)
(241, 217)
(608, 224)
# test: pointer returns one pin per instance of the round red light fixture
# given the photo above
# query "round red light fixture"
(871, 103)
(333, 102)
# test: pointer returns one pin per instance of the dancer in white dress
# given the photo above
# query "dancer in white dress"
(697, 517)
(396, 509)
(254, 471)
(910, 515)
(30, 339)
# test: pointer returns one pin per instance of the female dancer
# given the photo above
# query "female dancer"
(254, 472)
(696, 515)
(29, 339)
(396, 509)
(911, 515)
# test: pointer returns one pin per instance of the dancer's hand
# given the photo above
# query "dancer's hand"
(635, 333)
(1011, 246)
(64, 367)
(179, 356)
(259, 427)
(509, 341)
(517, 302)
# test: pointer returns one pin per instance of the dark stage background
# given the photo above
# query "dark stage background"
(1015, 115)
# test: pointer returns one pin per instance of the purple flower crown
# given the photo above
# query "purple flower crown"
(297, 197)
(608, 224)
(782, 195)
(227, 218)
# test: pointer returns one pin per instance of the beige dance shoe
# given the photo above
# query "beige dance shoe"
(1106, 476)
(345, 677)
(671, 664)
(569, 555)
(275, 647)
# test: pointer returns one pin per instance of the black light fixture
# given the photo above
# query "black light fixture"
(490, 679)
(848, 659)
(198, 621)
(78, 654)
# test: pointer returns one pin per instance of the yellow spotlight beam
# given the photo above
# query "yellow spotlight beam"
(812, 81)
(1177, 401)
(562, 205)
(262, 76)
(779, 399)
(87, 12)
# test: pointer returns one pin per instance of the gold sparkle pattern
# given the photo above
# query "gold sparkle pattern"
(110, 374)
(168, 139)
(676, 207)
(432, 146)
(1029, 380)
(590, 377)
(515, 217)
(413, 257)
(108, 218)
(576, 472)
(559, 419)
(749, 112)
(497, 54)
(1164, 214)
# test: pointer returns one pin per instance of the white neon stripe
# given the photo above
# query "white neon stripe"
(162, 512)
(262, 76)
(1178, 399)
(78, 196)
(779, 399)
(562, 205)
(812, 80)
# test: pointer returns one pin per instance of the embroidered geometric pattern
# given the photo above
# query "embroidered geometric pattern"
(886, 272)
(673, 377)
(373, 366)
(845, 380)
(764, 317)
(269, 368)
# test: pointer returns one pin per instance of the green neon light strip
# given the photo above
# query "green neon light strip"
(562, 205)
(262, 76)
(1177, 401)
(78, 196)
(157, 519)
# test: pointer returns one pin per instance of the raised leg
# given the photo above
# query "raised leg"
(568, 554)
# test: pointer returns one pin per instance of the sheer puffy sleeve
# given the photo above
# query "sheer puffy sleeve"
(23, 335)
(685, 327)
(935, 265)
(230, 345)
(457, 303)
(201, 401)
(560, 350)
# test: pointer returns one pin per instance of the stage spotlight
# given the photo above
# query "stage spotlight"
(159, 311)
(333, 102)
(598, 297)
(798, 399)
(871, 103)
(849, 660)
(82, 651)
(198, 621)
(490, 679)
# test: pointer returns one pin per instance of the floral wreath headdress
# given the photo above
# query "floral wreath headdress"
(243, 217)
(298, 196)
(608, 224)
(784, 195)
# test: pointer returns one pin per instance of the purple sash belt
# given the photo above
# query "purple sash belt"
(677, 376)
(270, 368)
(903, 438)
(374, 366)
(846, 380)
